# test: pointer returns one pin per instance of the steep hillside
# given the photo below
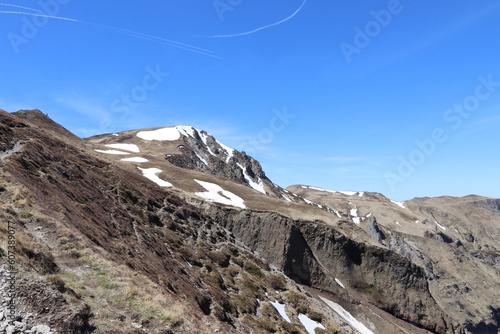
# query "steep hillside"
(101, 249)
(167, 230)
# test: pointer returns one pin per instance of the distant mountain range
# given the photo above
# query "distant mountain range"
(168, 230)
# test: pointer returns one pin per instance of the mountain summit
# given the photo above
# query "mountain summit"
(168, 230)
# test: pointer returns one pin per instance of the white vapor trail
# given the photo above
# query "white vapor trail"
(156, 39)
(22, 7)
(39, 15)
(261, 28)
(151, 38)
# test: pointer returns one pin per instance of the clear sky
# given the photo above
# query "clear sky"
(399, 97)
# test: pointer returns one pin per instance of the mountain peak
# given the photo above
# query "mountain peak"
(186, 147)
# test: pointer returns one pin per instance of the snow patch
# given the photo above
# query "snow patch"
(355, 218)
(135, 159)
(215, 193)
(440, 226)
(347, 193)
(312, 203)
(230, 151)
(281, 310)
(286, 198)
(347, 317)
(185, 130)
(125, 147)
(309, 324)
(339, 283)
(202, 160)
(150, 173)
(164, 134)
(401, 204)
(259, 186)
(115, 152)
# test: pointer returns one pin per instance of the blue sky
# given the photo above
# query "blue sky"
(399, 97)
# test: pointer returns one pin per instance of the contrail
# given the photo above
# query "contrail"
(39, 15)
(151, 38)
(157, 39)
(22, 7)
(261, 28)
(167, 42)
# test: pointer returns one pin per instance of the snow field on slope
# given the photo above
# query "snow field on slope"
(115, 152)
(257, 186)
(440, 226)
(309, 324)
(215, 193)
(150, 173)
(347, 193)
(355, 218)
(164, 134)
(347, 317)
(400, 204)
(281, 310)
(135, 159)
(126, 147)
(339, 283)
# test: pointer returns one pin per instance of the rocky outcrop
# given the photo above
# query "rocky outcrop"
(374, 230)
(202, 152)
(489, 204)
(314, 254)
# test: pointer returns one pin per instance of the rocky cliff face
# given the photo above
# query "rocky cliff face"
(315, 254)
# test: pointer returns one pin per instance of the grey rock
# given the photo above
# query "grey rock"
(11, 329)
(489, 204)
(375, 231)
(40, 329)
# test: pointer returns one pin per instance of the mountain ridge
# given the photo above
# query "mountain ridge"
(165, 227)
